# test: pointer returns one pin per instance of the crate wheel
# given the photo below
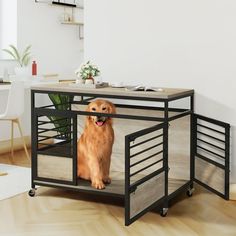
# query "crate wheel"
(163, 212)
(31, 192)
(190, 192)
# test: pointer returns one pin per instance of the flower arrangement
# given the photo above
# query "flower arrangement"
(22, 59)
(87, 71)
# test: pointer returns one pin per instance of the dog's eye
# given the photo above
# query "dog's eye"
(93, 109)
(104, 108)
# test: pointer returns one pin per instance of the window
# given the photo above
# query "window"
(8, 25)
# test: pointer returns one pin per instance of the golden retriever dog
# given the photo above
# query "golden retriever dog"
(95, 145)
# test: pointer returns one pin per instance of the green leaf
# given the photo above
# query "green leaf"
(15, 51)
(26, 50)
(61, 102)
(9, 52)
(25, 59)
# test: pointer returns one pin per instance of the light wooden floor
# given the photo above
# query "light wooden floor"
(61, 213)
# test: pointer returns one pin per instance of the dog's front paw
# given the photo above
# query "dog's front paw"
(98, 184)
(107, 180)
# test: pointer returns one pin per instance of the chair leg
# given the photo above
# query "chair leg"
(22, 137)
(12, 138)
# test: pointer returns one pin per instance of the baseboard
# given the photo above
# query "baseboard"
(232, 192)
(5, 146)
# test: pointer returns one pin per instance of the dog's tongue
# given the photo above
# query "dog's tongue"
(99, 123)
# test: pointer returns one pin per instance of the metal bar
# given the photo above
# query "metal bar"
(127, 180)
(193, 142)
(53, 129)
(180, 115)
(56, 181)
(138, 162)
(47, 106)
(227, 161)
(220, 140)
(209, 128)
(50, 112)
(138, 107)
(145, 150)
(210, 161)
(213, 153)
(216, 122)
(146, 167)
(146, 131)
(46, 122)
(33, 140)
(75, 150)
(50, 153)
(213, 145)
(146, 178)
(53, 145)
(147, 140)
(43, 139)
(54, 136)
(165, 152)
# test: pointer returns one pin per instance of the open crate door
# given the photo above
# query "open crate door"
(144, 171)
(211, 142)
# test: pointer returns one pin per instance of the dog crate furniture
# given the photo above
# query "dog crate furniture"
(152, 166)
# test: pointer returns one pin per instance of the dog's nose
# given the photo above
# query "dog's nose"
(99, 118)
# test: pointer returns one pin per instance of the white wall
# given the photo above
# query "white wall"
(170, 43)
(8, 25)
(56, 47)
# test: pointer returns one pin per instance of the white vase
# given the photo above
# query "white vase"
(22, 71)
(79, 81)
(89, 81)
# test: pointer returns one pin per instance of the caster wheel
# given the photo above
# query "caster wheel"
(31, 192)
(163, 212)
(190, 192)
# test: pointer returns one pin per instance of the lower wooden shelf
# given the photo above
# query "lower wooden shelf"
(116, 188)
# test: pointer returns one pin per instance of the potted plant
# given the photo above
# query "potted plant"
(62, 126)
(22, 59)
(87, 72)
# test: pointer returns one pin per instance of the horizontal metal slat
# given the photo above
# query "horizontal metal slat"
(213, 153)
(209, 128)
(147, 140)
(145, 150)
(220, 140)
(211, 144)
(138, 162)
(146, 167)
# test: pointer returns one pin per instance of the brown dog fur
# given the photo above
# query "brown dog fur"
(95, 145)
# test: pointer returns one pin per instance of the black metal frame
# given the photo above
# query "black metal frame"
(85, 99)
(130, 188)
(225, 157)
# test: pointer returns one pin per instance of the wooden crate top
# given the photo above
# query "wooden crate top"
(167, 93)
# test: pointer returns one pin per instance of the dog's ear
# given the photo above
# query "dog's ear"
(111, 107)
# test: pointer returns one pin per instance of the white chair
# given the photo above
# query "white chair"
(14, 109)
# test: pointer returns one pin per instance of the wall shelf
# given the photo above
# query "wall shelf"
(60, 4)
(72, 23)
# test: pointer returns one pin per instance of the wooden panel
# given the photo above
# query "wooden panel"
(55, 167)
(174, 184)
(210, 174)
(179, 148)
(146, 194)
(166, 93)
